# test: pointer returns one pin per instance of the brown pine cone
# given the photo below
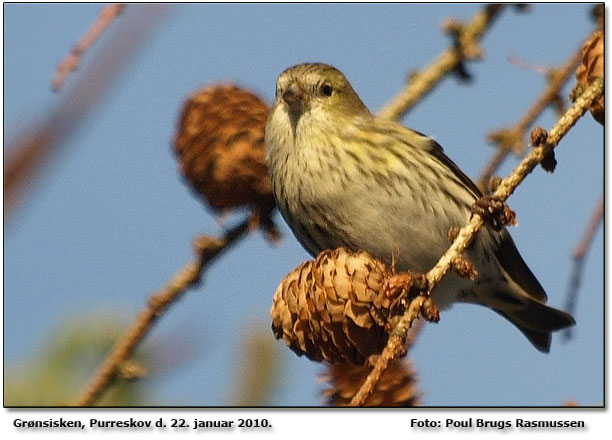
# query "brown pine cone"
(221, 152)
(396, 387)
(593, 67)
(337, 308)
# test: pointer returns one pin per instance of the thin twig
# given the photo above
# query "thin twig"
(423, 81)
(206, 249)
(587, 237)
(395, 345)
(465, 236)
(518, 62)
(71, 61)
(579, 255)
(396, 387)
(30, 149)
(512, 138)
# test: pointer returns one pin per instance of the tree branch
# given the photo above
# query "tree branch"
(512, 138)
(423, 81)
(31, 148)
(206, 249)
(71, 61)
(579, 255)
(395, 345)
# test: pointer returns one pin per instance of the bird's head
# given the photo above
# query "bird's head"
(316, 87)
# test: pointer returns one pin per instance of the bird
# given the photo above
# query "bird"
(343, 177)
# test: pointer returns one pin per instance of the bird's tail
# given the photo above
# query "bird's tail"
(535, 320)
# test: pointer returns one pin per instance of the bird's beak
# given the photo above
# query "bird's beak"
(294, 96)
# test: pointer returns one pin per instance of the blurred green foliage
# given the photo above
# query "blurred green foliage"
(257, 368)
(55, 375)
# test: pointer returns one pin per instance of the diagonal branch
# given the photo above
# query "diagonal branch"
(512, 138)
(587, 238)
(71, 61)
(30, 149)
(395, 345)
(579, 255)
(207, 249)
(465, 236)
(423, 81)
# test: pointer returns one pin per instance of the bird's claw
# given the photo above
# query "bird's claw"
(411, 282)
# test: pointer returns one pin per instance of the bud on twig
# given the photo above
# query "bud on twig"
(494, 211)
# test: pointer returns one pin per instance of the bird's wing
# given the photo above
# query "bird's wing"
(438, 152)
(416, 139)
(506, 252)
(514, 265)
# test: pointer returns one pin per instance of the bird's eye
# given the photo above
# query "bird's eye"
(326, 90)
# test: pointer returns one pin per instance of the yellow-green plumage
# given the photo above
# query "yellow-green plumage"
(343, 177)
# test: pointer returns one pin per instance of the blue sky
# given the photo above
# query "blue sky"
(110, 220)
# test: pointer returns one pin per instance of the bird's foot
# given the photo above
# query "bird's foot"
(412, 283)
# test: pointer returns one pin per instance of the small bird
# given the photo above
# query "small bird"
(343, 177)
